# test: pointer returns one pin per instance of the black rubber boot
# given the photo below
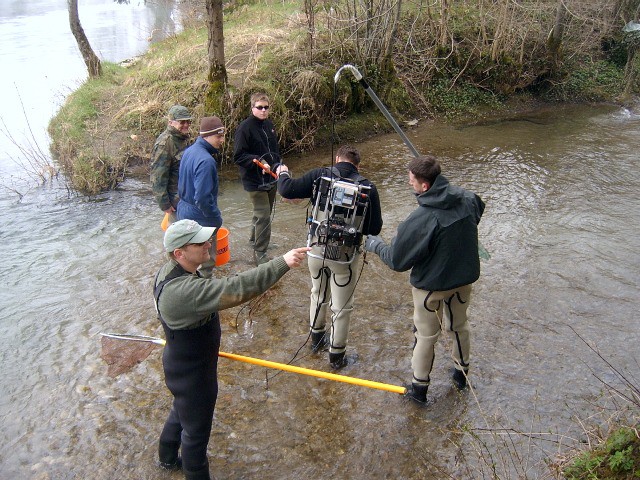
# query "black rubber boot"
(202, 474)
(168, 456)
(318, 341)
(337, 360)
(460, 378)
(417, 392)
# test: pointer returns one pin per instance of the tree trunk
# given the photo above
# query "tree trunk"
(443, 34)
(91, 60)
(555, 38)
(388, 53)
(629, 70)
(215, 49)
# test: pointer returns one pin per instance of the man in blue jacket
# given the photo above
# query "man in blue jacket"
(439, 243)
(198, 183)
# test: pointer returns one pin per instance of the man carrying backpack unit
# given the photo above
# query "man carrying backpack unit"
(334, 279)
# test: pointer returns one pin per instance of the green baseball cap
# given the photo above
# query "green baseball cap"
(178, 112)
(186, 231)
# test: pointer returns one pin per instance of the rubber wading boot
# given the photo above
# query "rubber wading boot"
(318, 341)
(168, 456)
(337, 360)
(202, 474)
(417, 392)
(460, 378)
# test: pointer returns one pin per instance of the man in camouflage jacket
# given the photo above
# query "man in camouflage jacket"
(165, 159)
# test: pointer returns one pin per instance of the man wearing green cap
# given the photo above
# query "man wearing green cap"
(165, 159)
(188, 306)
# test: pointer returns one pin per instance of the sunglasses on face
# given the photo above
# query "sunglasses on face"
(262, 107)
(200, 244)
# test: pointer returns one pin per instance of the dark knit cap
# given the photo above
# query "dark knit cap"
(211, 126)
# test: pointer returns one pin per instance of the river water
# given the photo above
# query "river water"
(562, 226)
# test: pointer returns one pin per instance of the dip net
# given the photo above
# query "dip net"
(121, 355)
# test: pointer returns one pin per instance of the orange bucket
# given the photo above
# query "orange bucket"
(222, 246)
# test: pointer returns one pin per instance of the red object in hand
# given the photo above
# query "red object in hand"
(257, 162)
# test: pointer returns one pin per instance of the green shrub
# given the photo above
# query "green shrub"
(617, 458)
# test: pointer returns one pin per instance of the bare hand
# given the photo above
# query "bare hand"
(295, 257)
(266, 168)
(281, 168)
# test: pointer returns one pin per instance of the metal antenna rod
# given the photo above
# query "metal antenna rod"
(377, 101)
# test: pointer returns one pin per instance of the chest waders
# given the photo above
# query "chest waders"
(190, 362)
(336, 224)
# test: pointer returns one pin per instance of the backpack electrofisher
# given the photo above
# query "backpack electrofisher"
(337, 218)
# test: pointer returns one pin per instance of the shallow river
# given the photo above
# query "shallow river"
(562, 226)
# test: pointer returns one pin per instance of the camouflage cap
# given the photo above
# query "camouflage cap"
(178, 112)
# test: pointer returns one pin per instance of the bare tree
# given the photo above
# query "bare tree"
(91, 60)
(555, 37)
(215, 50)
(626, 10)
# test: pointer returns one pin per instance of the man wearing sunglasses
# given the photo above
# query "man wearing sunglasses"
(256, 139)
(165, 159)
(188, 306)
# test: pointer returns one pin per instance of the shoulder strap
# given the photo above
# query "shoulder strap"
(176, 272)
(354, 177)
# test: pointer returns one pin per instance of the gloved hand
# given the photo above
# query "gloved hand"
(373, 243)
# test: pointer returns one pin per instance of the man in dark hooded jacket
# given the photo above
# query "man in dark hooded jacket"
(439, 243)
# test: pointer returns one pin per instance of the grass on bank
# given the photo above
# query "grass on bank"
(107, 127)
(81, 146)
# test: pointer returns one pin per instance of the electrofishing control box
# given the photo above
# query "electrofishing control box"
(344, 194)
(337, 218)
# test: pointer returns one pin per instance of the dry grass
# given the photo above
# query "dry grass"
(445, 61)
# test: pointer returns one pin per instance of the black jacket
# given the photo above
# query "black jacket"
(255, 139)
(303, 188)
(439, 239)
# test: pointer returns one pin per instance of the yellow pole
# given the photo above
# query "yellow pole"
(316, 373)
(277, 366)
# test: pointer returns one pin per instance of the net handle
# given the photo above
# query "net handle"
(279, 366)
(135, 338)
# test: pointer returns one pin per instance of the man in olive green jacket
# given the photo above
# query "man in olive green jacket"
(165, 160)
(188, 306)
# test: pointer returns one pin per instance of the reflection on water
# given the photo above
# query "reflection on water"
(562, 225)
(43, 64)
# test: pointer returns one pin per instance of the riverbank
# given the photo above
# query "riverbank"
(107, 127)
